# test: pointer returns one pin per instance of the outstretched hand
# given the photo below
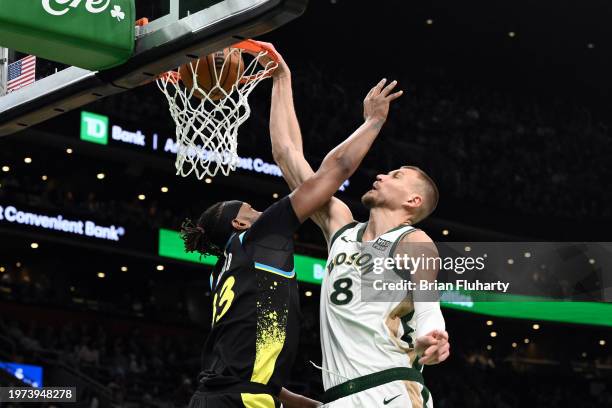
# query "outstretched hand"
(433, 348)
(376, 102)
(279, 72)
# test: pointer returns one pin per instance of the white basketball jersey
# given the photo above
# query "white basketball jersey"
(360, 337)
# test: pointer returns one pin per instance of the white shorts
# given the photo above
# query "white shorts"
(396, 394)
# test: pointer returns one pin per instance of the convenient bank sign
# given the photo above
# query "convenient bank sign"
(13, 215)
(96, 128)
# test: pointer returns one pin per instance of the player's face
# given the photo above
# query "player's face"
(392, 190)
(247, 214)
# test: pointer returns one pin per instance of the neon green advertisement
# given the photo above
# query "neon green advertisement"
(308, 269)
(311, 270)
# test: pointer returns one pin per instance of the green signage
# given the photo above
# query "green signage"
(311, 270)
(90, 34)
(529, 307)
(94, 128)
(308, 269)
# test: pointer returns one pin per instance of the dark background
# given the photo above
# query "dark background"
(514, 129)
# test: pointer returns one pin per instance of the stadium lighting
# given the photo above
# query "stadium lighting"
(100, 176)
(445, 232)
(468, 249)
(72, 288)
(27, 160)
(511, 34)
(164, 189)
(69, 150)
(141, 197)
(34, 245)
(514, 345)
(590, 46)
(101, 275)
(275, 195)
(6, 169)
(592, 261)
(308, 293)
(527, 254)
(602, 342)
(160, 267)
(44, 177)
(584, 354)
(489, 347)
(510, 261)
(429, 21)
(124, 269)
(489, 322)
(208, 180)
(18, 264)
(2, 269)
(493, 334)
(536, 326)
(526, 341)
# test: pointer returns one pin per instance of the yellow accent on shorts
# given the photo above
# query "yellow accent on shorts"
(257, 400)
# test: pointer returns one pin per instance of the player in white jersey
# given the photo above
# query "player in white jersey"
(373, 352)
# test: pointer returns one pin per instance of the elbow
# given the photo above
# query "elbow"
(280, 152)
(345, 166)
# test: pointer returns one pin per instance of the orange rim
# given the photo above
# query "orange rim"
(171, 76)
(256, 47)
(247, 45)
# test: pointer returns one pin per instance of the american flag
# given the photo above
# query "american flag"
(21, 73)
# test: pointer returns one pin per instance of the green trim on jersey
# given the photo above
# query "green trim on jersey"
(365, 225)
(340, 231)
(361, 231)
(395, 244)
(399, 239)
(371, 381)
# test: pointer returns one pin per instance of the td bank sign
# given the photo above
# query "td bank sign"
(96, 128)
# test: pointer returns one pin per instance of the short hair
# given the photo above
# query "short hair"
(431, 193)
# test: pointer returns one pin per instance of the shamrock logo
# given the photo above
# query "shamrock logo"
(117, 13)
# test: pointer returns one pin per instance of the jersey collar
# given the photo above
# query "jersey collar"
(363, 227)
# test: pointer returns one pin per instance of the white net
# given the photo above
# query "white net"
(207, 121)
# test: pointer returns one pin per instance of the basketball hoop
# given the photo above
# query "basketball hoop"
(207, 121)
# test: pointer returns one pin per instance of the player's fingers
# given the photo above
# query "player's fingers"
(428, 341)
(424, 360)
(387, 90)
(443, 348)
(378, 87)
(395, 95)
(431, 350)
(443, 356)
(443, 334)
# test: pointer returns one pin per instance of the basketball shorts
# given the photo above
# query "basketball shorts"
(207, 400)
(396, 394)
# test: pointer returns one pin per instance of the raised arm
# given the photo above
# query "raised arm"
(288, 154)
(343, 160)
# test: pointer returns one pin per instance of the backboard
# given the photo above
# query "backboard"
(178, 31)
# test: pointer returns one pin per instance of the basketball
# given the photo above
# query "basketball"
(215, 73)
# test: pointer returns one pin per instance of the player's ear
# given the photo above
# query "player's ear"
(240, 224)
(413, 201)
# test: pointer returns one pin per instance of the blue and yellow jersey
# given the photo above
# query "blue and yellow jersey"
(255, 325)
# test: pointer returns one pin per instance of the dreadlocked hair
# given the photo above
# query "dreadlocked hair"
(194, 238)
(209, 234)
